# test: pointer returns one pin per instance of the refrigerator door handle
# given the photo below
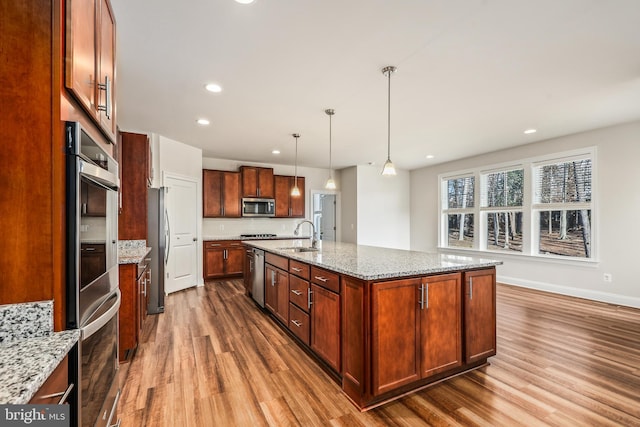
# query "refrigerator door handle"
(166, 218)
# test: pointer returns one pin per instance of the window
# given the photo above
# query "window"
(502, 196)
(562, 206)
(459, 204)
(535, 207)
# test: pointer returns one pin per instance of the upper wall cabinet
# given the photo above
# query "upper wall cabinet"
(257, 182)
(288, 206)
(90, 60)
(220, 194)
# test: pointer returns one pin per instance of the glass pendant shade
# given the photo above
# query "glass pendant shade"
(389, 169)
(330, 185)
(295, 192)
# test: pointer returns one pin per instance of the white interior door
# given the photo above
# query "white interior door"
(328, 221)
(181, 209)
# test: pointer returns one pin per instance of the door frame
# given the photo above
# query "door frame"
(199, 248)
(338, 209)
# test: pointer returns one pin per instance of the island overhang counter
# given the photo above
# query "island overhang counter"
(383, 322)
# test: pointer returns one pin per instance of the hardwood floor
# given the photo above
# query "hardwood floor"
(213, 359)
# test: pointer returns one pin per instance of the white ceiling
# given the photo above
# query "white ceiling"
(472, 75)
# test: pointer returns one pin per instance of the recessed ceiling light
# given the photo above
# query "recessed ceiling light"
(203, 122)
(212, 87)
(430, 156)
(244, 1)
(275, 152)
(530, 131)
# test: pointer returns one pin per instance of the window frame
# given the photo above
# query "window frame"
(530, 210)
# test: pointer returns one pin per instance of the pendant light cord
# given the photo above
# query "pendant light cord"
(295, 181)
(389, 117)
(330, 164)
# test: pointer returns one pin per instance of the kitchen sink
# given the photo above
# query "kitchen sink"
(298, 249)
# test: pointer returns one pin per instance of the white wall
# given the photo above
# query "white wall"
(315, 180)
(375, 208)
(615, 215)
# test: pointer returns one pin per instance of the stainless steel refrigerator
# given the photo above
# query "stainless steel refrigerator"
(157, 240)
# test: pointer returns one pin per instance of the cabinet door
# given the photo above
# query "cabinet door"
(282, 195)
(325, 325)
(106, 69)
(282, 286)
(231, 194)
(395, 334)
(234, 259)
(249, 181)
(440, 323)
(81, 51)
(265, 183)
(211, 193)
(214, 262)
(270, 289)
(248, 271)
(480, 314)
(54, 387)
(297, 203)
(141, 309)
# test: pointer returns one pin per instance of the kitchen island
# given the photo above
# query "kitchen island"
(383, 322)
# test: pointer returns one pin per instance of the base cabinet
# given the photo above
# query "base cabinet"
(133, 307)
(53, 391)
(223, 258)
(325, 325)
(276, 292)
(416, 329)
(480, 314)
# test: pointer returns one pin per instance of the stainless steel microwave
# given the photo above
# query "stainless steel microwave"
(258, 207)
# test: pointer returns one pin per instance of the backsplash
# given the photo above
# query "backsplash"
(221, 227)
(25, 320)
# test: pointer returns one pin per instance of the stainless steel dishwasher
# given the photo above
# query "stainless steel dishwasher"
(258, 277)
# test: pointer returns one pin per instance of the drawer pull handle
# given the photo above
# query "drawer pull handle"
(64, 394)
(297, 270)
(297, 292)
(297, 323)
(322, 279)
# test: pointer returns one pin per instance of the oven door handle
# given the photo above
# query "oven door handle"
(98, 175)
(95, 324)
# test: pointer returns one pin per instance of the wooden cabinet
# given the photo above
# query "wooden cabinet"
(249, 265)
(220, 194)
(56, 388)
(325, 325)
(93, 262)
(276, 292)
(288, 206)
(416, 329)
(223, 258)
(480, 314)
(257, 182)
(90, 60)
(93, 201)
(299, 323)
(132, 221)
(133, 309)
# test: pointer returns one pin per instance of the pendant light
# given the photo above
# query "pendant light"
(295, 191)
(331, 184)
(389, 169)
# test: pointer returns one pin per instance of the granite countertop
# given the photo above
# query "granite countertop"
(132, 251)
(373, 263)
(29, 350)
(278, 237)
(26, 364)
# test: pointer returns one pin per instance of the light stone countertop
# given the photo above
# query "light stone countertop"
(132, 251)
(373, 263)
(29, 350)
(277, 237)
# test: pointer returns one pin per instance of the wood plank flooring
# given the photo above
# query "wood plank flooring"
(213, 359)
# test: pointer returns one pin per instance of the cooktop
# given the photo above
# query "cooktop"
(258, 235)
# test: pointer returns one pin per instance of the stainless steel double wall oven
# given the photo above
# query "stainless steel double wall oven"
(93, 295)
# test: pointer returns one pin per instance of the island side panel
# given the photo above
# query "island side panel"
(479, 314)
(354, 342)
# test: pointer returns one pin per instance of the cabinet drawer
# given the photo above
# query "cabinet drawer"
(215, 244)
(299, 269)
(326, 279)
(92, 247)
(299, 292)
(54, 388)
(299, 323)
(276, 260)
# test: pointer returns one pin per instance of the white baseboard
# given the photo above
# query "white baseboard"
(570, 291)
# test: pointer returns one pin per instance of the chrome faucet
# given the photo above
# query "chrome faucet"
(314, 242)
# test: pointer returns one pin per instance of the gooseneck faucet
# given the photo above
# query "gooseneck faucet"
(314, 241)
